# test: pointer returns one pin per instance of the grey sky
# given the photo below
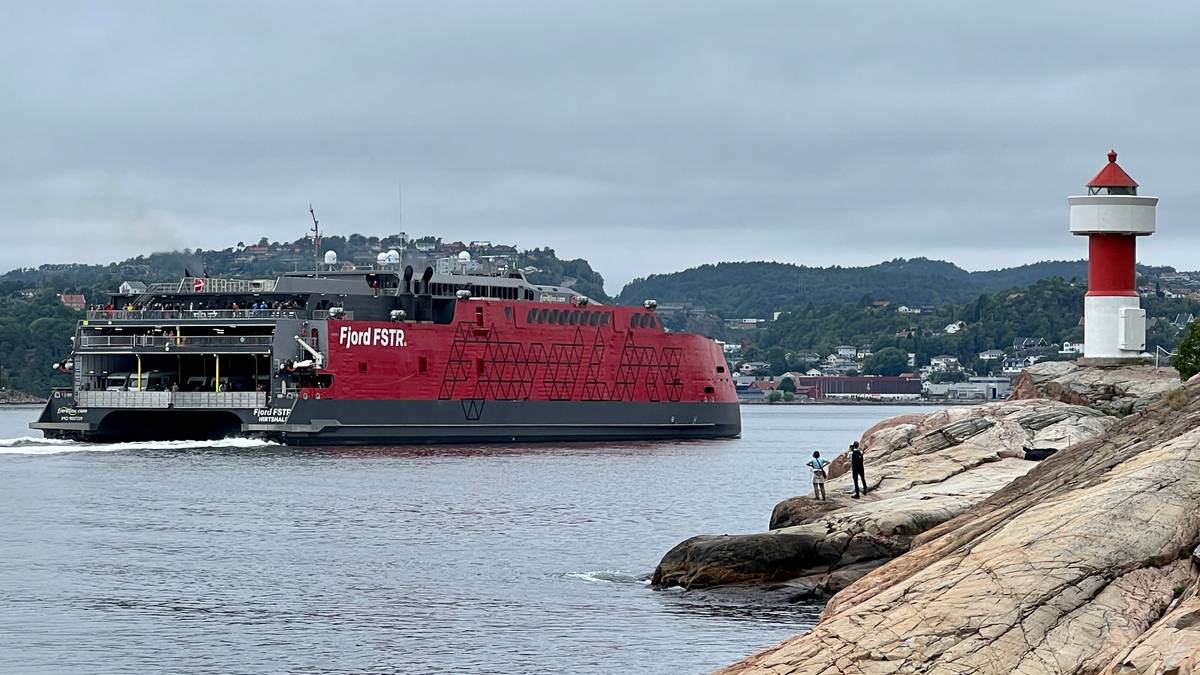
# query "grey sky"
(645, 137)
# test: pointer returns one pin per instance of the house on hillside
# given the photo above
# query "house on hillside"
(74, 301)
(751, 367)
(846, 351)
(1028, 343)
(953, 328)
(991, 355)
(805, 357)
(1013, 365)
(1182, 320)
(132, 288)
(1069, 348)
(905, 309)
(944, 362)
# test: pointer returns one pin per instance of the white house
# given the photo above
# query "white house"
(131, 287)
(847, 351)
(991, 355)
(944, 362)
(1071, 348)
(953, 328)
(905, 309)
(751, 367)
(1013, 365)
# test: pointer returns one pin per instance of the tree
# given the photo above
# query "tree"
(887, 361)
(788, 397)
(1187, 359)
(787, 385)
(775, 396)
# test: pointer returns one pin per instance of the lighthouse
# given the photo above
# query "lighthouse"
(1112, 216)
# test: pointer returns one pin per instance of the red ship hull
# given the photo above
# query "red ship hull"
(497, 373)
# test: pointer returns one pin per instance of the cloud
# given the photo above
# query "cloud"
(644, 137)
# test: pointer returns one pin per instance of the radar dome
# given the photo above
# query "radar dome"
(464, 257)
(330, 257)
(381, 258)
(393, 257)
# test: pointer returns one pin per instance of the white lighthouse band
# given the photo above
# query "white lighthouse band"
(1112, 214)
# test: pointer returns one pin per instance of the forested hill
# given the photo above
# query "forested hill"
(757, 289)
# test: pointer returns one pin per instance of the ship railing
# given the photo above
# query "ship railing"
(190, 314)
(130, 341)
(162, 400)
(208, 285)
(322, 314)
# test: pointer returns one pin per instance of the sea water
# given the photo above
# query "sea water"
(246, 556)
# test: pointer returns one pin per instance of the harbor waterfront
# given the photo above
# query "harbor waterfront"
(238, 555)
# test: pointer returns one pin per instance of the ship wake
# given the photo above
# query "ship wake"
(29, 445)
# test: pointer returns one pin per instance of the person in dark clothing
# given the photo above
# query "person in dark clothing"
(856, 468)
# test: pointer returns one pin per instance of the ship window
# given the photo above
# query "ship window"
(633, 320)
(651, 322)
(532, 315)
(508, 313)
(709, 390)
(479, 316)
(553, 316)
(720, 369)
(574, 318)
(479, 367)
(423, 364)
(604, 318)
(362, 366)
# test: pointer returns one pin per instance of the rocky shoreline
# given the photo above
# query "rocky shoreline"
(971, 556)
(18, 398)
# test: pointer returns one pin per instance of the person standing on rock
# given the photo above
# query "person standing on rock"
(856, 468)
(817, 466)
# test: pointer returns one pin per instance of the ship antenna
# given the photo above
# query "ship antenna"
(316, 237)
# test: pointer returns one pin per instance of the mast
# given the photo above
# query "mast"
(316, 237)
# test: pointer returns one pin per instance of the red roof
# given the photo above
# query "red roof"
(1112, 175)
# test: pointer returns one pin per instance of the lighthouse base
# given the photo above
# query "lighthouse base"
(1114, 328)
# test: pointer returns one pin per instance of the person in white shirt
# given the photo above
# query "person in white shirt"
(817, 466)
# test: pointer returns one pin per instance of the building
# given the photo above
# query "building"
(864, 387)
(132, 288)
(905, 309)
(1013, 365)
(974, 389)
(953, 328)
(1028, 343)
(944, 362)
(746, 324)
(752, 367)
(1071, 348)
(846, 351)
(1112, 216)
(75, 302)
(991, 355)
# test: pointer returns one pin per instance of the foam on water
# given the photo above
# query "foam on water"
(29, 445)
(610, 576)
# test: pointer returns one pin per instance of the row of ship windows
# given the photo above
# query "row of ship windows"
(583, 317)
(479, 291)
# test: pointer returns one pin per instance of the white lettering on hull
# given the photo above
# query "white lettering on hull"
(371, 337)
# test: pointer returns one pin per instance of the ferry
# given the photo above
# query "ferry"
(382, 356)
